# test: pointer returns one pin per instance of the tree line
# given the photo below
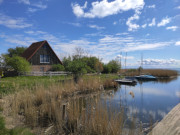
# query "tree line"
(78, 63)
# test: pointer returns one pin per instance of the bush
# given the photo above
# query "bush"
(19, 64)
(57, 67)
(107, 69)
(114, 66)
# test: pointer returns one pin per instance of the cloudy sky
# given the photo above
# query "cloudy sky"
(107, 29)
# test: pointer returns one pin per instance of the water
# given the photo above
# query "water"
(151, 101)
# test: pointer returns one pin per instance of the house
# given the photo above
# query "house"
(41, 56)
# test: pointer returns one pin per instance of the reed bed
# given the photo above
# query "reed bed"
(155, 72)
(42, 106)
(45, 108)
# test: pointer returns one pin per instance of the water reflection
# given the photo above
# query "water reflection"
(152, 100)
(141, 105)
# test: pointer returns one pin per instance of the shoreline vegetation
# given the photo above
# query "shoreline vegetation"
(48, 106)
(160, 73)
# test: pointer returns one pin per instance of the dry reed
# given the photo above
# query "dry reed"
(154, 72)
(42, 106)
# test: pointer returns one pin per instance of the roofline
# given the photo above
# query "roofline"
(36, 49)
(40, 47)
(54, 52)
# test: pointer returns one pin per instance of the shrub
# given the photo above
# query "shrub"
(19, 64)
(57, 67)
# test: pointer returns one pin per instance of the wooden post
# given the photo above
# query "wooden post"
(64, 112)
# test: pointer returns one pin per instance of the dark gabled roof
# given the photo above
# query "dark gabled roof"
(33, 48)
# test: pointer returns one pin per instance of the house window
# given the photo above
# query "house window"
(44, 59)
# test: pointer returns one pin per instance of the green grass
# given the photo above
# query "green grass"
(14, 84)
(15, 131)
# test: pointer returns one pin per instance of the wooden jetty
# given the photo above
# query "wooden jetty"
(170, 124)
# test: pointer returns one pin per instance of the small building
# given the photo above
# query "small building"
(41, 56)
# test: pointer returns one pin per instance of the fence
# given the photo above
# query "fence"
(43, 73)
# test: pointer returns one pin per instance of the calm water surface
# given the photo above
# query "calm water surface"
(151, 101)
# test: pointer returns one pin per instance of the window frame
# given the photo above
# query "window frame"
(44, 58)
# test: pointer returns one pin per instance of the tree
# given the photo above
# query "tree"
(57, 67)
(99, 67)
(115, 66)
(19, 64)
(18, 51)
(66, 62)
(107, 68)
(79, 53)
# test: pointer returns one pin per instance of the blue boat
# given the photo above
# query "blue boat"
(146, 77)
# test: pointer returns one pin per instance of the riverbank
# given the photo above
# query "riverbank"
(38, 103)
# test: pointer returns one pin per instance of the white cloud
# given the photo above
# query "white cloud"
(16, 23)
(33, 7)
(132, 26)
(1, 1)
(35, 32)
(153, 23)
(160, 62)
(32, 10)
(75, 24)
(173, 28)
(96, 27)
(114, 23)
(40, 5)
(124, 57)
(178, 7)
(151, 6)
(27, 2)
(104, 8)
(124, 33)
(144, 25)
(164, 21)
(138, 46)
(177, 43)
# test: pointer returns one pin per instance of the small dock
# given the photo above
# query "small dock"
(170, 124)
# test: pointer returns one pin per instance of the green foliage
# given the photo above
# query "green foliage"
(112, 67)
(66, 62)
(2, 124)
(18, 51)
(77, 66)
(12, 52)
(57, 67)
(19, 64)
(107, 68)
(82, 65)
(115, 66)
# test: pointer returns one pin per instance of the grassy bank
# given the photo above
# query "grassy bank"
(14, 84)
(154, 72)
(40, 101)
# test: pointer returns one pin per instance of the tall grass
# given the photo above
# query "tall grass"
(56, 105)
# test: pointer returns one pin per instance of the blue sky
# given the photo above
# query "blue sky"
(104, 28)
